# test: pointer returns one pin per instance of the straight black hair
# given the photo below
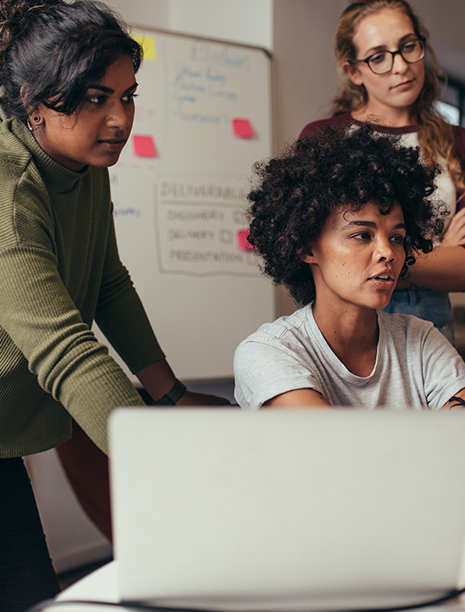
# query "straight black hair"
(51, 51)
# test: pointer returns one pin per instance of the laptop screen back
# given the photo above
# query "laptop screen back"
(287, 509)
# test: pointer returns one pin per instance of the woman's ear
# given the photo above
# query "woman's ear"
(308, 257)
(36, 119)
(353, 73)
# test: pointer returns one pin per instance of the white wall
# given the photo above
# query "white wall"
(242, 21)
(148, 13)
(305, 69)
(248, 22)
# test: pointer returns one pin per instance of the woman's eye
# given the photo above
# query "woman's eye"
(129, 98)
(96, 99)
(362, 236)
(398, 239)
(378, 58)
(409, 47)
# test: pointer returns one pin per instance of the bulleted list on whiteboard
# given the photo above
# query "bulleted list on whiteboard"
(198, 229)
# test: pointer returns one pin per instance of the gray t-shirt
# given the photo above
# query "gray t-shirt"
(416, 367)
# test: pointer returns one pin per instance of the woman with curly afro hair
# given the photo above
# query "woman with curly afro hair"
(337, 219)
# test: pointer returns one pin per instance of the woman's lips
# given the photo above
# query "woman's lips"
(403, 85)
(113, 145)
(383, 281)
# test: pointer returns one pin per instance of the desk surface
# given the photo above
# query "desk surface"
(102, 585)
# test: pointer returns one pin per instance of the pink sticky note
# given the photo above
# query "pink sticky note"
(144, 146)
(243, 128)
(242, 241)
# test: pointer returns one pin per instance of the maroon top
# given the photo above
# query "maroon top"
(346, 119)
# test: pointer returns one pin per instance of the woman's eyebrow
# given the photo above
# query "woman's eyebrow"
(360, 224)
(109, 90)
(373, 50)
(407, 36)
(370, 224)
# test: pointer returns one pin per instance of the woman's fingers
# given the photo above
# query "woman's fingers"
(455, 234)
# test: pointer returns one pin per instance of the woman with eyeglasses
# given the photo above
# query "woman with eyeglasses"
(391, 81)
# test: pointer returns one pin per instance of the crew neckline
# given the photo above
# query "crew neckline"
(331, 356)
(384, 129)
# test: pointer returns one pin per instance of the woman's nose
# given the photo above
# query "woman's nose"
(399, 64)
(120, 117)
(384, 251)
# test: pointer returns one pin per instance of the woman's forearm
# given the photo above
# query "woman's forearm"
(442, 270)
(157, 378)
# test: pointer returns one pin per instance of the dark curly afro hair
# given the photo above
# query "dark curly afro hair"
(295, 193)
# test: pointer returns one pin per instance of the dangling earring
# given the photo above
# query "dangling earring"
(37, 120)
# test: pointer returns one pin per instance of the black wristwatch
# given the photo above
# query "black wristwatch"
(172, 397)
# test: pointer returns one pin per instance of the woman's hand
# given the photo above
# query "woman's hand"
(442, 269)
(455, 234)
(158, 379)
(201, 399)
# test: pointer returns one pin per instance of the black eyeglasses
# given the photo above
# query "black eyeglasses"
(382, 62)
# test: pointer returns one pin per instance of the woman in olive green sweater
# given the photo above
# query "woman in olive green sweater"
(67, 76)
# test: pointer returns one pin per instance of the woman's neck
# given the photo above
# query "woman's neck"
(351, 333)
(384, 115)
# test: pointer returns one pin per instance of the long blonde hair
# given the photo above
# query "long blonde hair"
(435, 136)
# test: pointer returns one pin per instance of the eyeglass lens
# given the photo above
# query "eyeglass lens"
(412, 51)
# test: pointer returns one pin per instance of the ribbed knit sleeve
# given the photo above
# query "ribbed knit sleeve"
(59, 265)
(120, 314)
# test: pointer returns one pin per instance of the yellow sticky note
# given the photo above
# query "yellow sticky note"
(148, 46)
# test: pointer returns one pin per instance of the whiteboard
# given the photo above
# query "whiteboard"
(179, 196)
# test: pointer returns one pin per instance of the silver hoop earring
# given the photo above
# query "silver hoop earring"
(28, 123)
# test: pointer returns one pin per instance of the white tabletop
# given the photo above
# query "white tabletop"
(102, 585)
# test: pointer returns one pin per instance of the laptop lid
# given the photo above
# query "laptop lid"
(287, 509)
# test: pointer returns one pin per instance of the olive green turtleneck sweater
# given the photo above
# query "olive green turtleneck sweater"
(60, 269)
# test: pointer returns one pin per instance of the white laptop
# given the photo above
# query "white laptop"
(219, 509)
